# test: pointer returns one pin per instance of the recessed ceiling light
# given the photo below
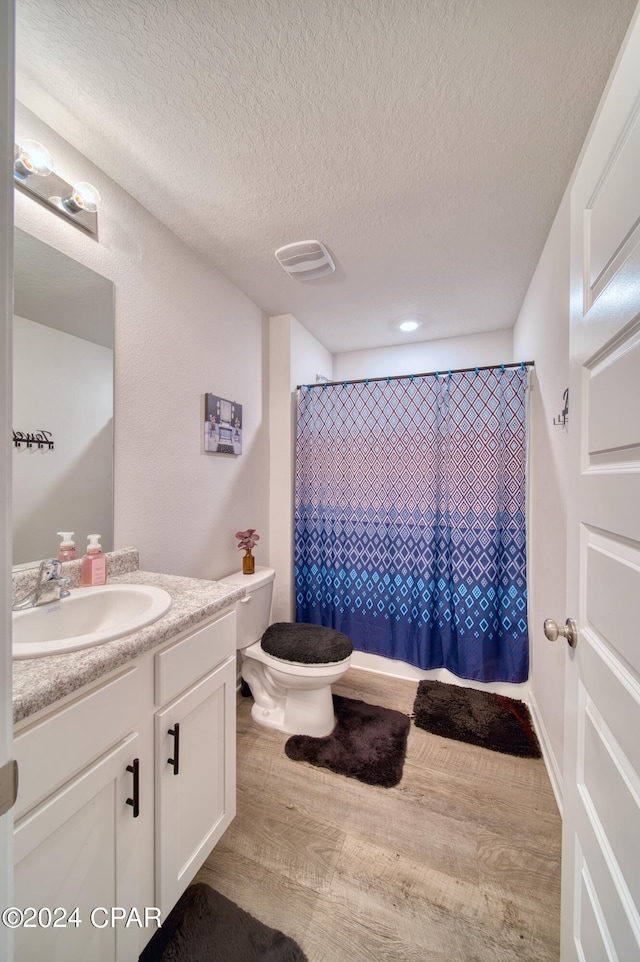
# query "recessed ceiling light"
(409, 326)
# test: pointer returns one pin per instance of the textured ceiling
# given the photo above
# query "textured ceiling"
(427, 144)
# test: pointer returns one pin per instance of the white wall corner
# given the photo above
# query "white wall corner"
(541, 334)
(281, 466)
(295, 357)
(551, 762)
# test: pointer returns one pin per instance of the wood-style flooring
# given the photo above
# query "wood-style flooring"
(459, 863)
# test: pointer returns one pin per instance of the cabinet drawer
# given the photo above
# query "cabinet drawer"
(184, 662)
(54, 749)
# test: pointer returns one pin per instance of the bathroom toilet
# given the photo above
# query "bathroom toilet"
(291, 690)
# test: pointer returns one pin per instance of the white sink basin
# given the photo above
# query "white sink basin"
(89, 616)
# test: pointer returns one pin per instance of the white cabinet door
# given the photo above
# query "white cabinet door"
(195, 779)
(79, 848)
(601, 823)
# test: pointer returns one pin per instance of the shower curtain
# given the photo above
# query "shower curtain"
(410, 518)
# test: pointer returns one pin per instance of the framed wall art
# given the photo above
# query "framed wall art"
(222, 425)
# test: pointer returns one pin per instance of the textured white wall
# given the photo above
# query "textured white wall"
(182, 329)
(70, 484)
(295, 358)
(423, 356)
(542, 334)
(308, 357)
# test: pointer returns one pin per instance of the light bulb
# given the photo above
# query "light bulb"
(409, 326)
(33, 158)
(84, 196)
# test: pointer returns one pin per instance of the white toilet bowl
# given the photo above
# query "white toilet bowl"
(291, 696)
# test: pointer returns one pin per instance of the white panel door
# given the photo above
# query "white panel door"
(7, 29)
(601, 829)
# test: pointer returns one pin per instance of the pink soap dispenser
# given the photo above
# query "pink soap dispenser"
(67, 550)
(94, 564)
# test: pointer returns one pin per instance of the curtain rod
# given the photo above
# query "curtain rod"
(403, 377)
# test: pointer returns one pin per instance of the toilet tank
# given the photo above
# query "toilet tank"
(252, 611)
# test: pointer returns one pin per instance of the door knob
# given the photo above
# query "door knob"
(570, 631)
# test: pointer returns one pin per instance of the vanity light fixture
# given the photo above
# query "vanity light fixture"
(409, 326)
(33, 173)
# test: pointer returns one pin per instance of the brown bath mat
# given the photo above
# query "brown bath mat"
(368, 743)
(492, 721)
(205, 926)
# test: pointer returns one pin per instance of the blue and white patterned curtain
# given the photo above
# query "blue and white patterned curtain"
(410, 519)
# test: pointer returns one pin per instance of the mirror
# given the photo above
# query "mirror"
(63, 343)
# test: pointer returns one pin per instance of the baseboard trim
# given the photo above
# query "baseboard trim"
(379, 665)
(548, 755)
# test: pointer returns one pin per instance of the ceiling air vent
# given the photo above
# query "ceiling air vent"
(305, 260)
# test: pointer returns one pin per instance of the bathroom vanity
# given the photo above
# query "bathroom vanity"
(126, 757)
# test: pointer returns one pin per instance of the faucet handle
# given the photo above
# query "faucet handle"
(50, 570)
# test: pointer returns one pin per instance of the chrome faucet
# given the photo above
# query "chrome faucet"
(49, 586)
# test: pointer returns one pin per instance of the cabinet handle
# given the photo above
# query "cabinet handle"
(175, 761)
(135, 801)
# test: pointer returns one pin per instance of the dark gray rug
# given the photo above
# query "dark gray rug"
(492, 721)
(205, 926)
(368, 743)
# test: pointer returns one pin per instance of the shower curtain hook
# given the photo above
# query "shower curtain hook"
(502, 368)
(437, 375)
(477, 370)
(449, 374)
(522, 365)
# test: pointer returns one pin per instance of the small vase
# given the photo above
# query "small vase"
(248, 563)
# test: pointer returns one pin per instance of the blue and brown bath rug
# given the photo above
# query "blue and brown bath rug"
(479, 717)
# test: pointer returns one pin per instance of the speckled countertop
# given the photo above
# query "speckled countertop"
(39, 682)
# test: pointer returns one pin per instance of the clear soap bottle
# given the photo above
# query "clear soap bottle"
(94, 564)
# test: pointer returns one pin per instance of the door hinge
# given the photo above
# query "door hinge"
(8, 785)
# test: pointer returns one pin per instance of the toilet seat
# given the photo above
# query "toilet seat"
(316, 670)
(306, 644)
